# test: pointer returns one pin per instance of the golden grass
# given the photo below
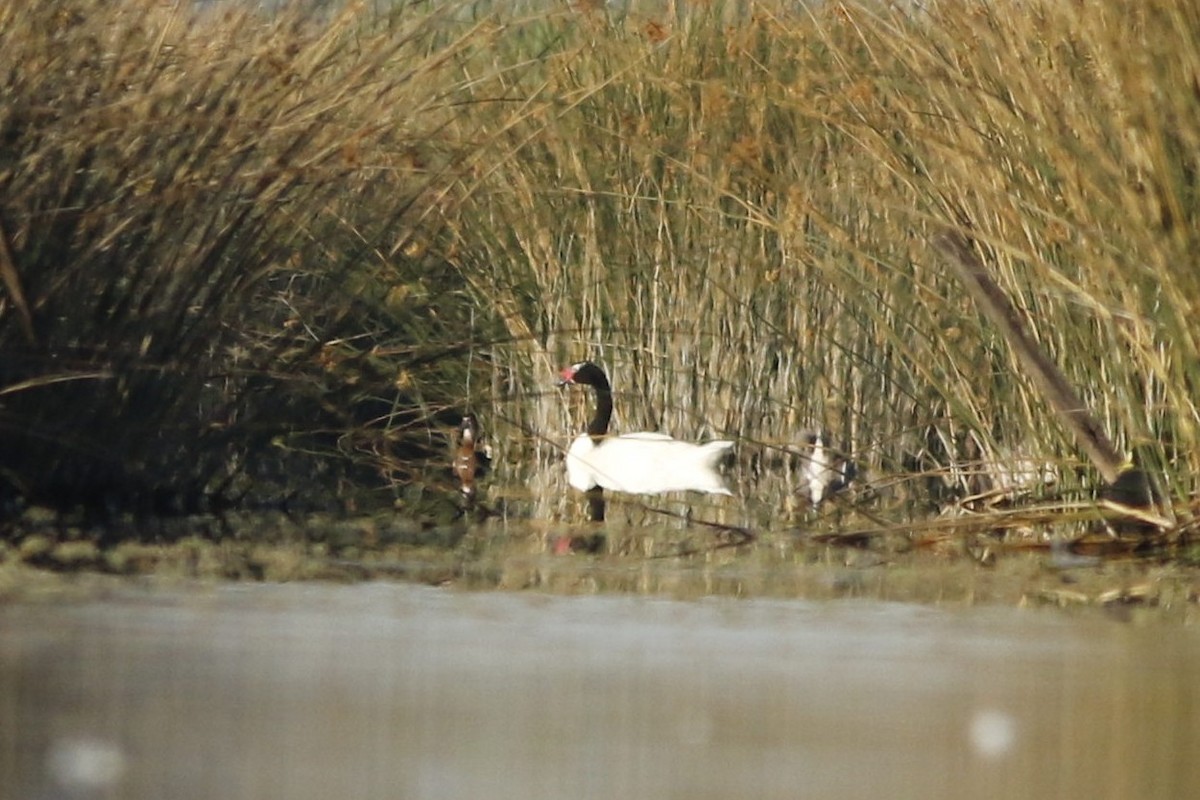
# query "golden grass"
(731, 207)
(208, 215)
(735, 214)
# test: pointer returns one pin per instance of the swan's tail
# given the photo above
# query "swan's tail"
(713, 453)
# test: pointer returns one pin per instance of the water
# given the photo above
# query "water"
(396, 690)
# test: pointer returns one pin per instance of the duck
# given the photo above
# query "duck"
(636, 463)
(466, 463)
(826, 471)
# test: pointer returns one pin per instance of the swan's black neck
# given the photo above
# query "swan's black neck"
(591, 375)
(598, 427)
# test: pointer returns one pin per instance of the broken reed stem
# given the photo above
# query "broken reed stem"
(12, 283)
(1054, 386)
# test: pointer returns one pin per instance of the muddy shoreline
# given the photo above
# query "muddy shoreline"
(43, 558)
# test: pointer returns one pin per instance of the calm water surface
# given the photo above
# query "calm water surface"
(396, 690)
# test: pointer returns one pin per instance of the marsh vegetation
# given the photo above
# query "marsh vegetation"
(273, 258)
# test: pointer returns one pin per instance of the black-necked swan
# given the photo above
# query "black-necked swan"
(636, 463)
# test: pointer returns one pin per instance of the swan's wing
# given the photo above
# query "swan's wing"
(649, 463)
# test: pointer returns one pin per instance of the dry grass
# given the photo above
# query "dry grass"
(734, 212)
(731, 207)
(208, 218)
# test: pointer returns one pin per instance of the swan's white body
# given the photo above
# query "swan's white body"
(646, 463)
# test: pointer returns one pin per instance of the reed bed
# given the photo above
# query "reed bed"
(733, 210)
(304, 236)
(210, 290)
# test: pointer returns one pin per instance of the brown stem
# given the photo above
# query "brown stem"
(12, 282)
(1045, 373)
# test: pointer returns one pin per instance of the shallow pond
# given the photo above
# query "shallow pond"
(384, 689)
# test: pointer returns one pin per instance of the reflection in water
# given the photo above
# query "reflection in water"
(384, 690)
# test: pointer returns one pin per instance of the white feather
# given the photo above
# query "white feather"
(646, 463)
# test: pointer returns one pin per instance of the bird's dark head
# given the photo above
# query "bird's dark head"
(816, 437)
(468, 429)
(585, 373)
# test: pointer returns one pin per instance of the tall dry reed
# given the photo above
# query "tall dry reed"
(733, 210)
(324, 235)
(208, 265)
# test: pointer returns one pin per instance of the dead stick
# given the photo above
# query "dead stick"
(1053, 384)
(12, 282)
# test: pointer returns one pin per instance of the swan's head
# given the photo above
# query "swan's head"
(585, 373)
